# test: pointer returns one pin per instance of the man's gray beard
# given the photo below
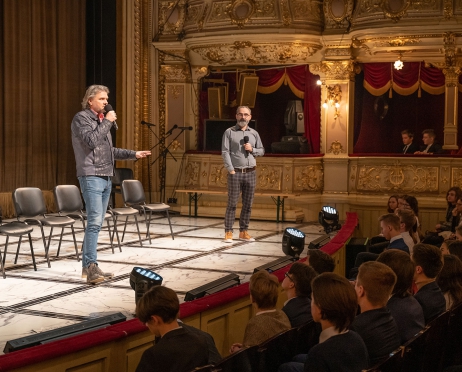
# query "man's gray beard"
(242, 123)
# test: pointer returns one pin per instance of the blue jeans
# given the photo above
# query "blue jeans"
(96, 192)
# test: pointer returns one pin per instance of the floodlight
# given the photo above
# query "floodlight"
(141, 280)
(228, 281)
(276, 264)
(293, 242)
(328, 218)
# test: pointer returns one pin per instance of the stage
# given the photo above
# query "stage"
(51, 298)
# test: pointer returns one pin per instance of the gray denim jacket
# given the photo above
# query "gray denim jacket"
(92, 143)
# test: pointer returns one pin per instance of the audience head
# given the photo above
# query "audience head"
(459, 205)
(320, 261)
(407, 137)
(450, 278)
(459, 233)
(403, 267)
(428, 136)
(406, 218)
(333, 299)
(392, 203)
(264, 289)
(427, 259)
(390, 225)
(445, 246)
(299, 278)
(453, 194)
(160, 303)
(455, 248)
(375, 283)
(410, 202)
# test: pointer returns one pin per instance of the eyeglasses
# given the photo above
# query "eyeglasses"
(244, 115)
(288, 276)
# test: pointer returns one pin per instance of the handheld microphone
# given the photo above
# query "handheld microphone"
(108, 108)
(186, 128)
(246, 140)
(147, 124)
(171, 130)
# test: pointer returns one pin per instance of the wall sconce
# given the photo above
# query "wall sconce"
(334, 96)
(398, 63)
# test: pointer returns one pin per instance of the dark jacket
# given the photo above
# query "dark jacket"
(92, 143)
(413, 147)
(434, 149)
(298, 310)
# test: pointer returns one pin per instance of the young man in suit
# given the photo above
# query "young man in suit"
(428, 264)
(430, 146)
(409, 147)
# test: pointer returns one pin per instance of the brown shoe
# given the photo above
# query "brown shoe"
(244, 235)
(228, 237)
(103, 274)
(92, 276)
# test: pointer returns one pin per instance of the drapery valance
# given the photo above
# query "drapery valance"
(271, 80)
(382, 77)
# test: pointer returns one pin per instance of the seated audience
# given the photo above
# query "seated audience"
(445, 246)
(410, 202)
(453, 194)
(455, 248)
(428, 264)
(430, 146)
(450, 280)
(333, 305)
(320, 261)
(458, 233)
(409, 147)
(404, 308)
(392, 204)
(407, 221)
(268, 321)
(456, 215)
(297, 286)
(177, 350)
(375, 323)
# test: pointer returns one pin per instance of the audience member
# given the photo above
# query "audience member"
(428, 264)
(297, 286)
(320, 261)
(445, 247)
(453, 194)
(392, 204)
(430, 146)
(375, 323)
(458, 233)
(334, 306)
(404, 308)
(450, 280)
(177, 350)
(455, 248)
(410, 202)
(407, 221)
(456, 215)
(268, 321)
(409, 147)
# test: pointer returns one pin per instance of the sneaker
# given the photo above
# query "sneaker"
(244, 235)
(84, 272)
(228, 237)
(92, 276)
(103, 274)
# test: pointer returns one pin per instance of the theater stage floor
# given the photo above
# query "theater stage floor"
(49, 298)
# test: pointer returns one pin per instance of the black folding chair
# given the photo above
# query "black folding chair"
(244, 360)
(277, 350)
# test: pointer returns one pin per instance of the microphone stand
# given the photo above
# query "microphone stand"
(163, 154)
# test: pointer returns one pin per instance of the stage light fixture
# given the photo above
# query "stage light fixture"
(319, 242)
(228, 281)
(276, 264)
(141, 280)
(328, 218)
(293, 242)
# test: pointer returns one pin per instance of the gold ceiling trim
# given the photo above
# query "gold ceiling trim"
(246, 52)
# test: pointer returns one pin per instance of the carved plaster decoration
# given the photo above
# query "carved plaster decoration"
(448, 9)
(218, 175)
(344, 52)
(219, 12)
(337, 13)
(457, 177)
(175, 90)
(174, 55)
(174, 73)
(240, 11)
(360, 44)
(196, 14)
(285, 12)
(256, 53)
(199, 72)
(166, 11)
(269, 177)
(310, 178)
(336, 148)
(395, 9)
(397, 42)
(175, 145)
(191, 174)
(452, 66)
(303, 9)
(336, 70)
(265, 9)
(397, 178)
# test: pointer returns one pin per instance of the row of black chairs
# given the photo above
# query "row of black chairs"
(30, 209)
(433, 349)
(267, 356)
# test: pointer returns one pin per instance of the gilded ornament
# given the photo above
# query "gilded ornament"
(395, 14)
(265, 9)
(175, 145)
(191, 174)
(397, 42)
(336, 147)
(309, 178)
(165, 9)
(240, 11)
(303, 9)
(174, 72)
(285, 13)
(175, 90)
(268, 178)
(218, 175)
(337, 13)
(336, 70)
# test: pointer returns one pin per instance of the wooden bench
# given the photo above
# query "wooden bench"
(195, 195)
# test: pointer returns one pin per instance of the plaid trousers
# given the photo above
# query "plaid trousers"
(238, 183)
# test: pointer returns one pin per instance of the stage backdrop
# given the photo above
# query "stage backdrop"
(42, 79)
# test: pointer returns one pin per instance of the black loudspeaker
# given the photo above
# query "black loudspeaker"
(214, 129)
(353, 247)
